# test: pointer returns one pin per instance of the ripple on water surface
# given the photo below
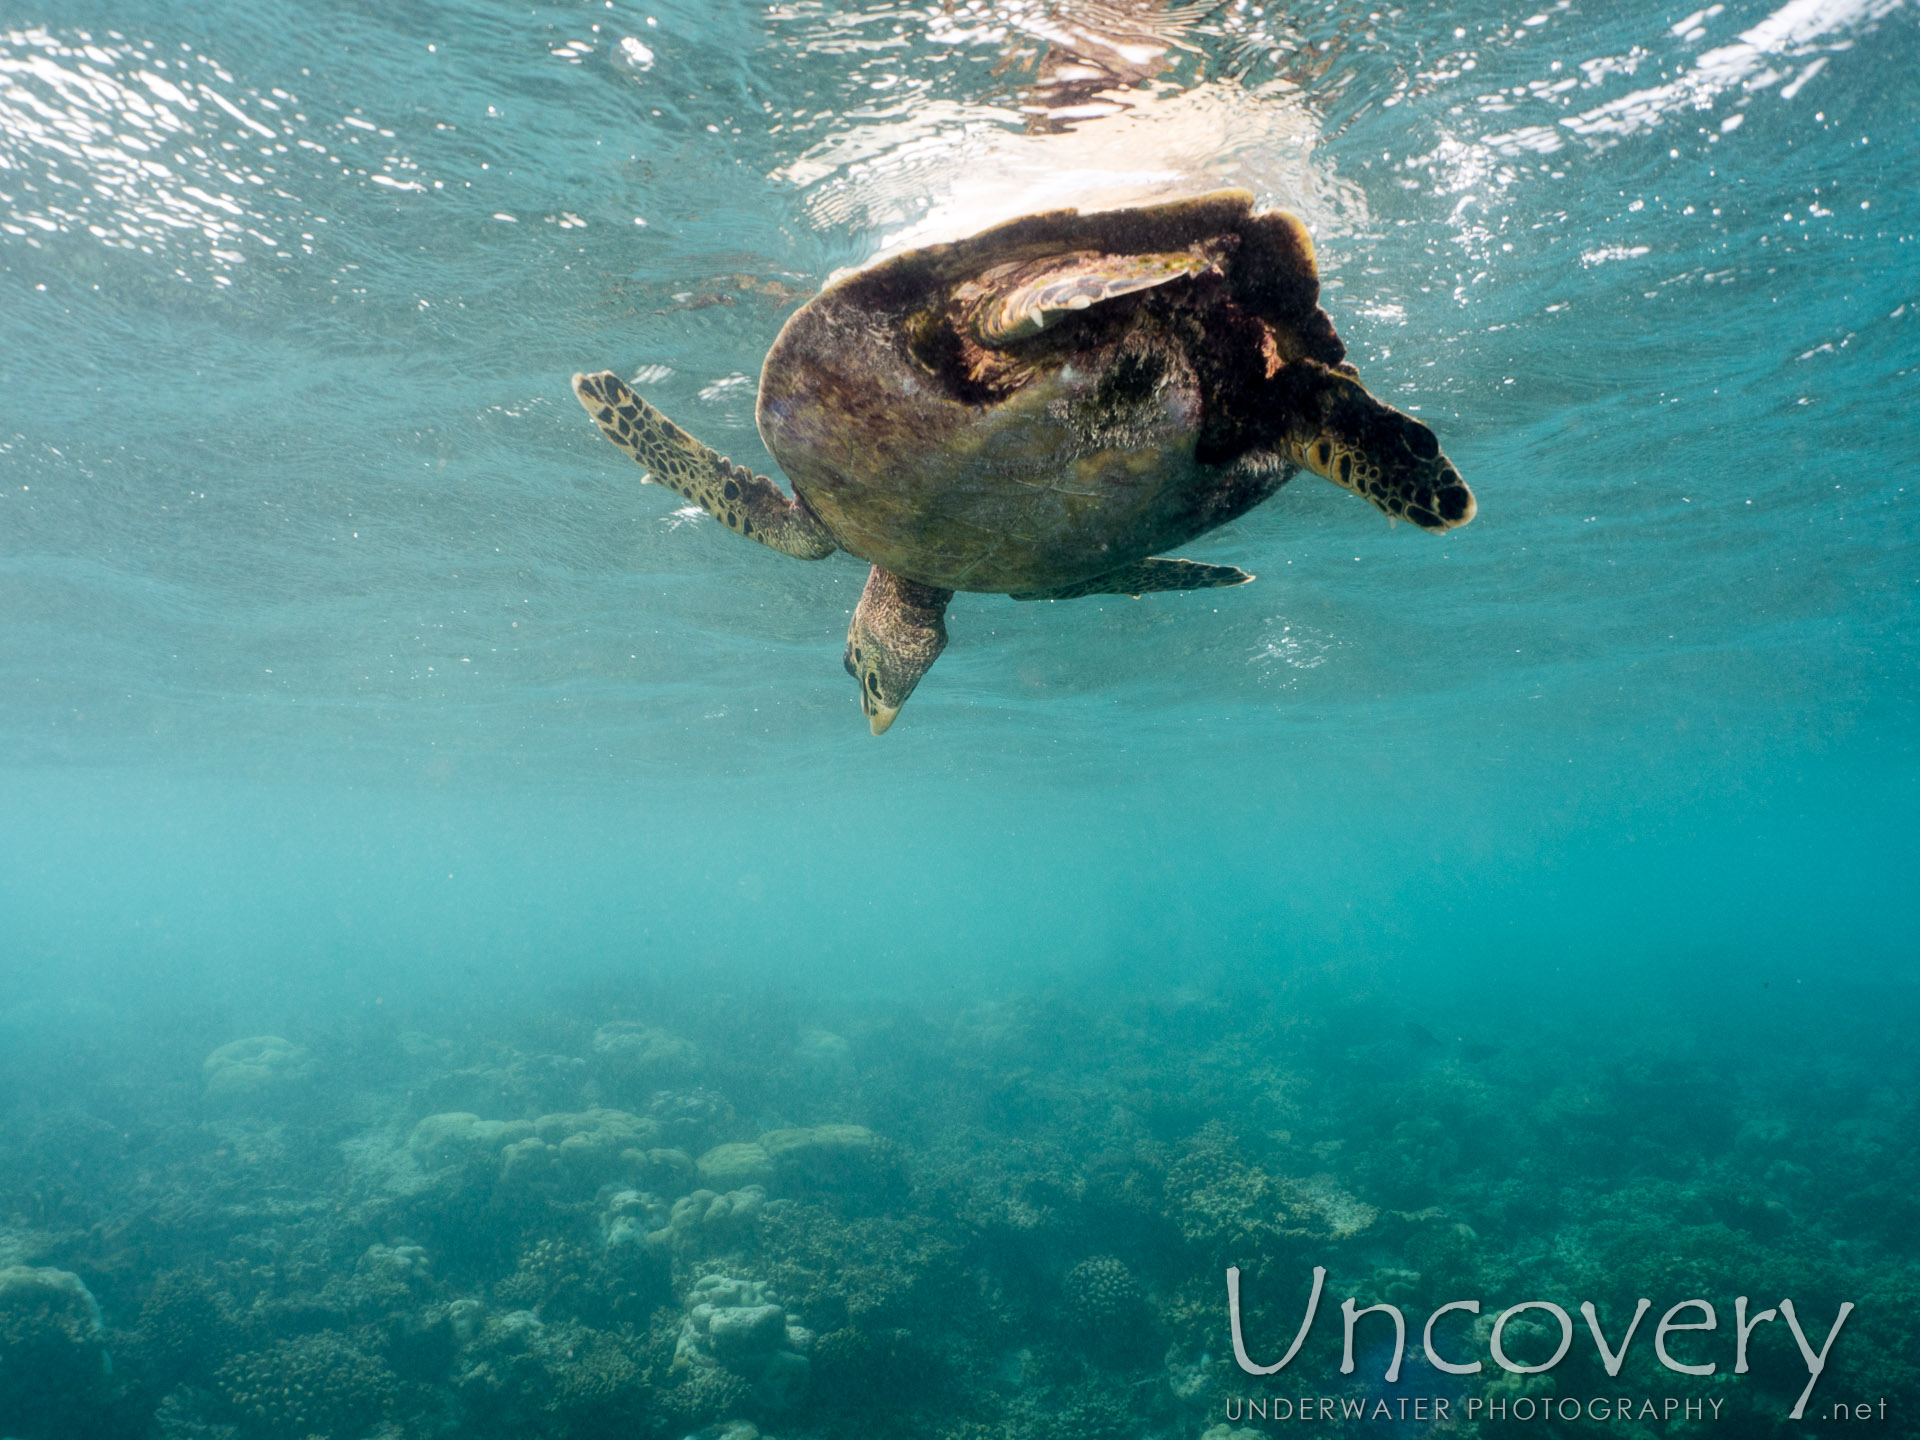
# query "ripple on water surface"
(347, 496)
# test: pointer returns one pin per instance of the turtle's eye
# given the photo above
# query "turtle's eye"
(1419, 439)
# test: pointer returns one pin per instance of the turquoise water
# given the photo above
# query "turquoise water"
(351, 686)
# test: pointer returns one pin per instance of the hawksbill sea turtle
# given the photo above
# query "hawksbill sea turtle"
(1040, 410)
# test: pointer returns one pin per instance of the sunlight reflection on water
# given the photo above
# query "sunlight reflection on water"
(1520, 229)
(165, 153)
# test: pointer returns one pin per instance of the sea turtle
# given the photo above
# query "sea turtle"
(1037, 410)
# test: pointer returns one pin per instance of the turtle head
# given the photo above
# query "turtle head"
(882, 691)
(1338, 430)
(899, 629)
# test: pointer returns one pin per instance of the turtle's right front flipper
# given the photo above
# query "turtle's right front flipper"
(1328, 423)
(749, 504)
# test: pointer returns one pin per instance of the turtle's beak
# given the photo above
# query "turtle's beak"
(881, 718)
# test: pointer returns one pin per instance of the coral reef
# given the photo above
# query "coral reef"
(1009, 1223)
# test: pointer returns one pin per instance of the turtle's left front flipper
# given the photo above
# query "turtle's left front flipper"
(1144, 576)
(899, 629)
(744, 502)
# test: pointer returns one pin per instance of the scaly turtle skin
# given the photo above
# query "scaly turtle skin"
(1035, 411)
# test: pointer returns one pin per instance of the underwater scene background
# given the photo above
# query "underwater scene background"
(466, 969)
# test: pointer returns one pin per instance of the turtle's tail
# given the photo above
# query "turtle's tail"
(744, 502)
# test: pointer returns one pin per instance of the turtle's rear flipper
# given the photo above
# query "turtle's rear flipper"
(899, 629)
(749, 504)
(1143, 576)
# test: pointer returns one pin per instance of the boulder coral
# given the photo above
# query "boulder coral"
(53, 1357)
(735, 1166)
(628, 1050)
(666, 1170)
(704, 1219)
(459, 1137)
(691, 1116)
(41, 1297)
(581, 1150)
(254, 1067)
(823, 1050)
(741, 1326)
(571, 1152)
(630, 1217)
(824, 1157)
(1101, 1295)
(1105, 1311)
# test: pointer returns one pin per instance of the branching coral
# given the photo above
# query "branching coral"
(312, 1385)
